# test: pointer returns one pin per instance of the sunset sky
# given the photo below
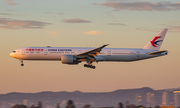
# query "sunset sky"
(88, 23)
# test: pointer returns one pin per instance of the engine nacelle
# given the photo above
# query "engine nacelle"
(69, 59)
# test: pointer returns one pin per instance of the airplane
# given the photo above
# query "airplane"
(76, 55)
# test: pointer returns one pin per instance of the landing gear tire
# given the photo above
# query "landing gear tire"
(89, 66)
(93, 67)
(85, 65)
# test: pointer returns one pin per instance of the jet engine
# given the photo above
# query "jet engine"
(69, 59)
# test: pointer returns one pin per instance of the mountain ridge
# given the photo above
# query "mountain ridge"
(97, 99)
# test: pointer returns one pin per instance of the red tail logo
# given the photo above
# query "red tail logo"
(154, 42)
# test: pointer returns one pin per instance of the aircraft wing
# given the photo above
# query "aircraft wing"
(92, 53)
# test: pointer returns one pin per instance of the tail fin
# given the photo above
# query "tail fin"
(155, 44)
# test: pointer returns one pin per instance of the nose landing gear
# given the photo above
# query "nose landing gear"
(22, 64)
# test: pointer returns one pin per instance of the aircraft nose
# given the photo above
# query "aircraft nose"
(11, 54)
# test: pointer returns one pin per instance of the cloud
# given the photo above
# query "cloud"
(10, 2)
(174, 28)
(52, 33)
(162, 24)
(60, 13)
(7, 23)
(110, 14)
(170, 28)
(9, 10)
(5, 14)
(77, 20)
(117, 24)
(93, 32)
(54, 13)
(146, 29)
(142, 6)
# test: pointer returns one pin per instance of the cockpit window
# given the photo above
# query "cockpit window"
(14, 51)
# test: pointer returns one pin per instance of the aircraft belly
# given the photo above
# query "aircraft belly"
(52, 57)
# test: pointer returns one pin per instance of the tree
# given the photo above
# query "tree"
(87, 106)
(32, 106)
(15, 106)
(127, 104)
(70, 104)
(19, 106)
(58, 105)
(131, 106)
(39, 104)
(157, 106)
(22, 106)
(120, 105)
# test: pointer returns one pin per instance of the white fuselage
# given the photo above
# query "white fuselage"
(75, 55)
(107, 54)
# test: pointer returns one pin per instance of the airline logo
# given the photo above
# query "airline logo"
(59, 50)
(155, 42)
(34, 49)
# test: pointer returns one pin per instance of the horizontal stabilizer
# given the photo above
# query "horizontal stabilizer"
(159, 53)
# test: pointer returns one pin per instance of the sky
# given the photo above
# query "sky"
(88, 23)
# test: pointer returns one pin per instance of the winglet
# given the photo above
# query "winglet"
(104, 45)
(156, 42)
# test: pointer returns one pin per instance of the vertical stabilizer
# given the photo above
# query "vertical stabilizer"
(156, 42)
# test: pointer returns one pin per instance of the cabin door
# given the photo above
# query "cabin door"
(45, 52)
(23, 52)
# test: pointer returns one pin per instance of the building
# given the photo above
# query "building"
(165, 98)
(150, 99)
(167, 106)
(176, 98)
(138, 99)
(25, 102)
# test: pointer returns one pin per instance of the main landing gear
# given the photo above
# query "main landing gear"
(89, 66)
(22, 64)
